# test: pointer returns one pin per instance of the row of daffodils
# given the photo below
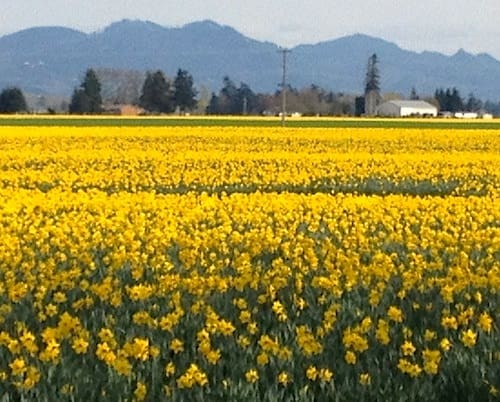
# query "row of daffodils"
(241, 264)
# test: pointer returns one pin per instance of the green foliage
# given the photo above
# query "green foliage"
(359, 106)
(372, 80)
(473, 104)
(414, 94)
(184, 91)
(12, 101)
(233, 100)
(449, 100)
(256, 122)
(156, 94)
(228, 99)
(87, 99)
(80, 103)
(213, 105)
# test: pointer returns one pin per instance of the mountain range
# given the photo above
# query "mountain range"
(52, 60)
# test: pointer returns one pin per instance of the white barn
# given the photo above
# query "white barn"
(405, 108)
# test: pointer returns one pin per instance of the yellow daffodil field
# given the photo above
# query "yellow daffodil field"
(249, 264)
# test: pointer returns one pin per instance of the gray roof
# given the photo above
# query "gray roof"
(418, 104)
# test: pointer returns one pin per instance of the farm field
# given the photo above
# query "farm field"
(239, 263)
(245, 121)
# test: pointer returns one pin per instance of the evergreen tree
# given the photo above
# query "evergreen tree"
(92, 88)
(492, 107)
(156, 95)
(413, 94)
(228, 98)
(372, 86)
(246, 100)
(213, 105)
(372, 79)
(440, 97)
(234, 100)
(456, 101)
(12, 101)
(449, 100)
(359, 106)
(87, 99)
(184, 91)
(80, 102)
(473, 104)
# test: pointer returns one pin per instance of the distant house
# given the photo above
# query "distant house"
(405, 108)
(123, 110)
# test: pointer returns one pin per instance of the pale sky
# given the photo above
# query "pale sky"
(444, 26)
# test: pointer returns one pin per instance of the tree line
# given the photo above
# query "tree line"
(241, 99)
(155, 93)
(158, 94)
(451, 101)
(12, 101)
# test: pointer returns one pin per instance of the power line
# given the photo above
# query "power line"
(284, 52)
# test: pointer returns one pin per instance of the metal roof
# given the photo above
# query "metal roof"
(417, 104)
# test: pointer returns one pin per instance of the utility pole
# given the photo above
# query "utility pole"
(284, 52)
(245, 106)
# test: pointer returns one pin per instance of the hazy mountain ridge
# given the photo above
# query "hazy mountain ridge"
(53, 60)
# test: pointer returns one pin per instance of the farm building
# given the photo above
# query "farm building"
(123, 110)
(404, 108)
(372, 100)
